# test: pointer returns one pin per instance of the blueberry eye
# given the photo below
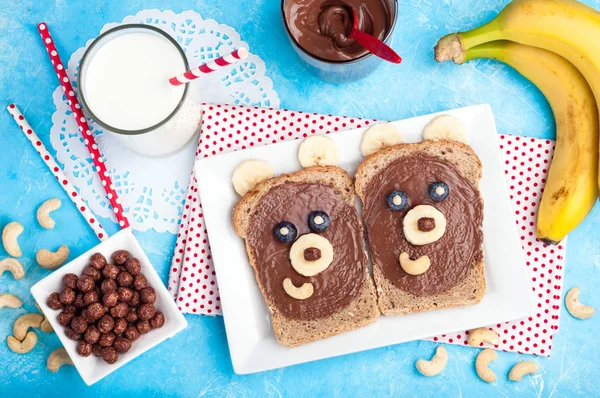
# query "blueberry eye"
(439, 191)
(285, 232)
(318, 221)
(397, 200)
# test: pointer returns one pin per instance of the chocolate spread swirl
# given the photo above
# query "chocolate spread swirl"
(335, 287)
(453, 254)
(322, 27)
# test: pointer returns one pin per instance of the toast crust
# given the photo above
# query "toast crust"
(393, 301)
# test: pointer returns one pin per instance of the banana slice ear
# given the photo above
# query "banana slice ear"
(249, 174)
(445, 127)
(318, 150)
(378, 137)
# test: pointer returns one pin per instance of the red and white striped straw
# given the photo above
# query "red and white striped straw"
(58, 173)
(89, 140)
(226, 60)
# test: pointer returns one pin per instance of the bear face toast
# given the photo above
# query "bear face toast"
(423, 215)
(305, 241)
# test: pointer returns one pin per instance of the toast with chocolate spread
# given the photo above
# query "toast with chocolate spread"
(423, 215)
(305, 242)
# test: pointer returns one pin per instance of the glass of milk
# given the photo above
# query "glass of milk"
(124, 86)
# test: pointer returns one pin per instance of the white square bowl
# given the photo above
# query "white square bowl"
(253, 345)
(93, 369)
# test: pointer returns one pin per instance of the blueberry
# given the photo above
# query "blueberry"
(318, 221)
(285, 232)
(439, 191)
(397, 200)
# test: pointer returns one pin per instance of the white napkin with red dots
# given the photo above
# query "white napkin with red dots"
(192, 279)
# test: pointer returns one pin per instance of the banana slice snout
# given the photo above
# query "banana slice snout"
(318, 150)
(423, 224)
(378, 137)
(445, 127)
(249, 174)
(311, 254)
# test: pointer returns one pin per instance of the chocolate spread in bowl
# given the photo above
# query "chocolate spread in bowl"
(335, 287)
(453, 254)
(321, 27)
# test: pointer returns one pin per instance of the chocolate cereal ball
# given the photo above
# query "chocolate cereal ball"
(119, 310)
(108, 285)
(139, 282)
(95, 311)
(124, 279)
(146, 311)
(54, 301)
(158, 320)
(125, 294)
(84, 349)
(65, 317)
(97, 350)
(120, 326)
(85, 283)
(110, 299)
(73, 335)
(92, 272)
(92, 334)
(110, 271)
(70, 280)
(131, 333)
(148, 295)
(133, 266)
(107, 339)
(132, 315)
(110, 355)
(98, 261)
(78, 302)
(120, 257)
(143, 326)
(106, 324)
(91, 297)
(135, 299)
(79, 324)
(67, 296)
(122, 345)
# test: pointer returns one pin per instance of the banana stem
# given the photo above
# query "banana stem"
(456, 46)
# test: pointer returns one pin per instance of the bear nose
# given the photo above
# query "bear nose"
(426, 224)
(312, 254)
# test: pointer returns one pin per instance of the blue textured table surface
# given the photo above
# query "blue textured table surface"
(196, 362)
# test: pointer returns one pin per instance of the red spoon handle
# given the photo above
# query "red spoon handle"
(375, 46)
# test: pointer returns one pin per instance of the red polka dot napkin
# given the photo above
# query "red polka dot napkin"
(192, 279)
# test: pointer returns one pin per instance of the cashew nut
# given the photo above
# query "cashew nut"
(522, 369)
(481, 365)
(478, 336)
(435, 365)
(299, 293)
(52, 260)
(414, 267)
(43, 212)
(46, 327)
(22, 347)
(58, 358)
(9, 238)
(25, 322)
(576, 308)
(10, 301)
(12, 265)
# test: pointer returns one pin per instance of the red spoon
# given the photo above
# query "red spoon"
(374, 45)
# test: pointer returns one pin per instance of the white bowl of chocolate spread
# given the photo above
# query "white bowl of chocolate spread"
(318, 31)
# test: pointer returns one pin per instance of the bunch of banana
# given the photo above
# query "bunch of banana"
(559, 51)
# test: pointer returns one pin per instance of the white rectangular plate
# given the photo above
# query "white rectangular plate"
(92, 369)
(252, 343)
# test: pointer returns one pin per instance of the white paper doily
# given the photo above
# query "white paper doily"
(153, 189)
